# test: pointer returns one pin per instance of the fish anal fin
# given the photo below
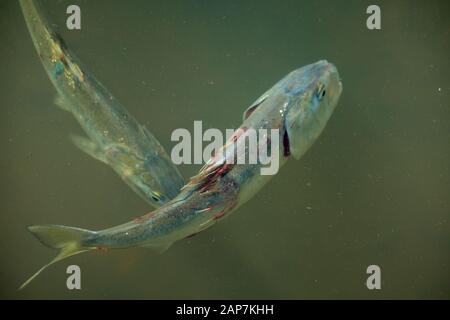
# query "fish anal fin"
(62, 104)
(247, 113)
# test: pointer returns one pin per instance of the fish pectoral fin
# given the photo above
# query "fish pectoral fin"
(157, 247)
(90, 147)
(247, 113)
(63, 104)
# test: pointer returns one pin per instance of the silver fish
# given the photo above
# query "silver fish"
(299, 106)
(115, 137)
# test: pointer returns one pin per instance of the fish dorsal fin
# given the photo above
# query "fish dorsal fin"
(253, 107)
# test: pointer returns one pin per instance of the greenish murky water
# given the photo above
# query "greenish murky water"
(374, 189)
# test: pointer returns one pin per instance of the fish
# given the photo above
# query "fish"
(114, 136)
(297, 107)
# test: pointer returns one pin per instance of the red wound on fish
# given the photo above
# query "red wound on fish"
(219, 215)
(238, 133)
(210, 179)
(225, 210)
(139, 219)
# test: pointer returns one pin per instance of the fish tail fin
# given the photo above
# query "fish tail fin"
(68, 240)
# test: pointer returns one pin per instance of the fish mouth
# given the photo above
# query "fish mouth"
(286, 144)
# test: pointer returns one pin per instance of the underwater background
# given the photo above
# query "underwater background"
(374, 189)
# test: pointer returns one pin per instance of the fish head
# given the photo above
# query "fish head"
(155, 180)
(149, 176)
(313, 93)
(145, 185)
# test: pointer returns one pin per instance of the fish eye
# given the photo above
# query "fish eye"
(156, 196)
(321, 91)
